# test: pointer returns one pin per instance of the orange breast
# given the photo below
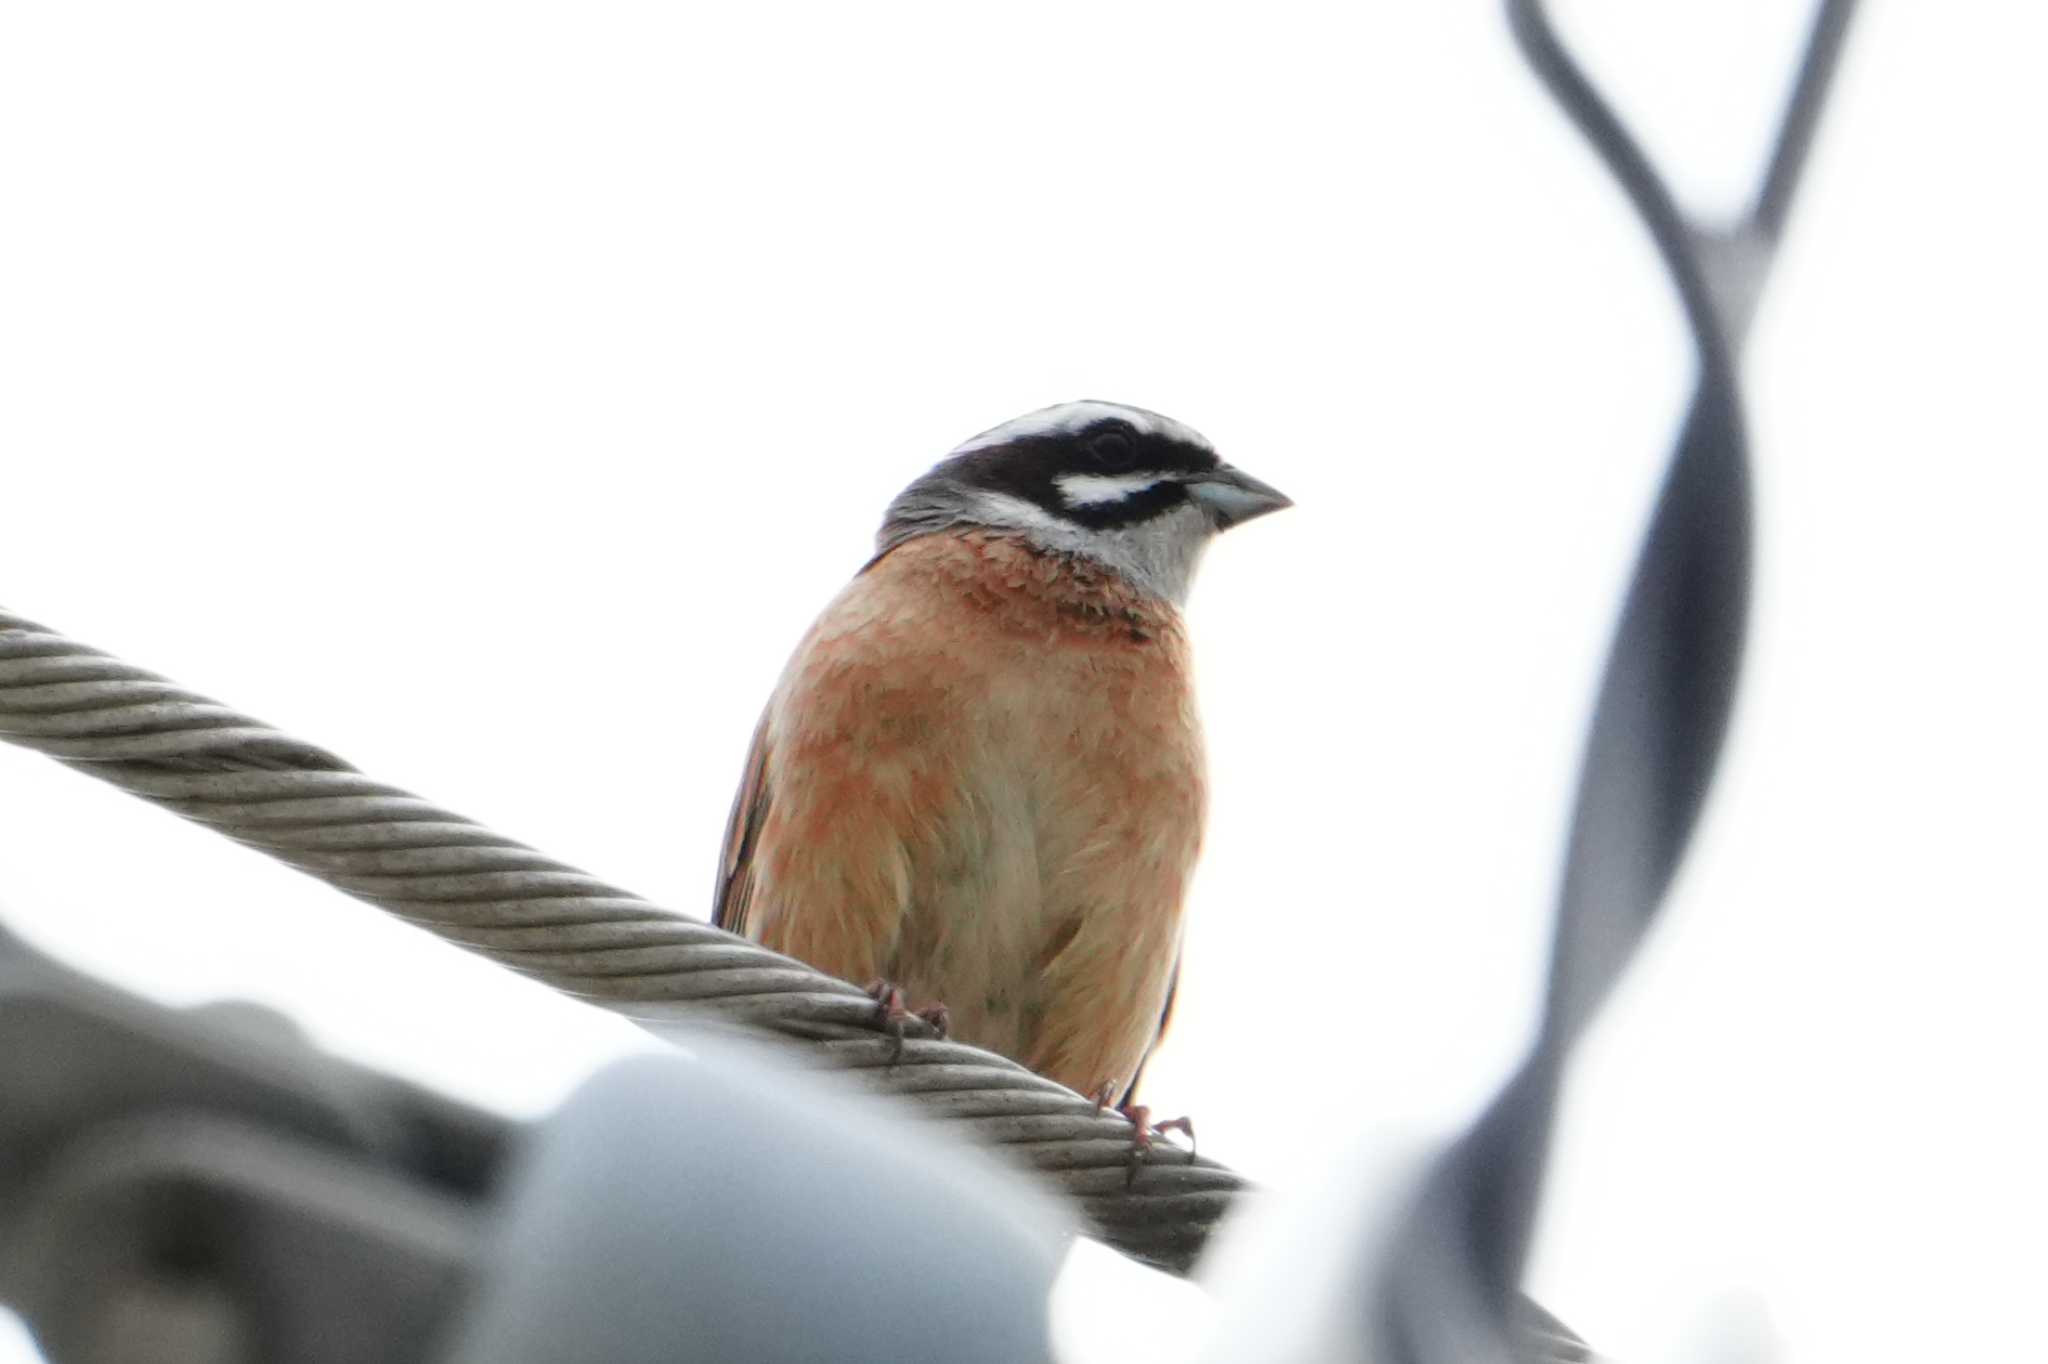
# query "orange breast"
(986, 784)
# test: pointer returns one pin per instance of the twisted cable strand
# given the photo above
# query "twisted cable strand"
(1446, 1284)
(552, 923)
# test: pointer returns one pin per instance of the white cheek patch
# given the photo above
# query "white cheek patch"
(1092, 490)
(1001, 509)
(1158, 556)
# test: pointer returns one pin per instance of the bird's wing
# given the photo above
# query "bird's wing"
(1165, 1018)
(735, 893)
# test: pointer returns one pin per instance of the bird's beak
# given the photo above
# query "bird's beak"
(1232, 497)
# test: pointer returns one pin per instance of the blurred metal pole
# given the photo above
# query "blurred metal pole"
(1447, 1280)
(193, 1185)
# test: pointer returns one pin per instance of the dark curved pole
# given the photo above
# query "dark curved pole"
(1448, 1291)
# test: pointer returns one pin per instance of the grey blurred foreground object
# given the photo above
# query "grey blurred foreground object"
(182, 1186)
(1441, 1288)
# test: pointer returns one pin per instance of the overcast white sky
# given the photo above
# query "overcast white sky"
(493, 393)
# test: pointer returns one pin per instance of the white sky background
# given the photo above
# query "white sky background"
(493, 393)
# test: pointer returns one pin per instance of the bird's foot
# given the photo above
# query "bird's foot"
(894, 1016)
(1144, 1132)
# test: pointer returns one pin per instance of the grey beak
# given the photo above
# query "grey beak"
(1232, 497)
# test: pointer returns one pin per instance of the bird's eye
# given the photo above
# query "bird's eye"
(1112, 451)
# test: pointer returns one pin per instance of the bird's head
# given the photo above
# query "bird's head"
(1130, 489)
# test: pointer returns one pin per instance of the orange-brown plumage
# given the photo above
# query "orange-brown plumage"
(981, 778)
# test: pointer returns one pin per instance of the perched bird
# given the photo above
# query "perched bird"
(980, 783)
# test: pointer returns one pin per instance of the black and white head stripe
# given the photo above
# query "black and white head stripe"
(1072, 419)
(1095, 465)
(1128, 487)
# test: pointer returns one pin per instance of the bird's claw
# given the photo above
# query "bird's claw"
(893, 1016)
(1143, 1130)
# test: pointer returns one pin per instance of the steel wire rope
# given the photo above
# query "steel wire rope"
(590, 940)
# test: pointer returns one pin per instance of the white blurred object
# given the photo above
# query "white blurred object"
(15, 1345)
(1734, 1327)
(1290, 1274)
(1107, 1309)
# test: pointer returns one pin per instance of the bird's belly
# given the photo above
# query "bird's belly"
(989, 791)
(974, 923)
(1046, 915)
